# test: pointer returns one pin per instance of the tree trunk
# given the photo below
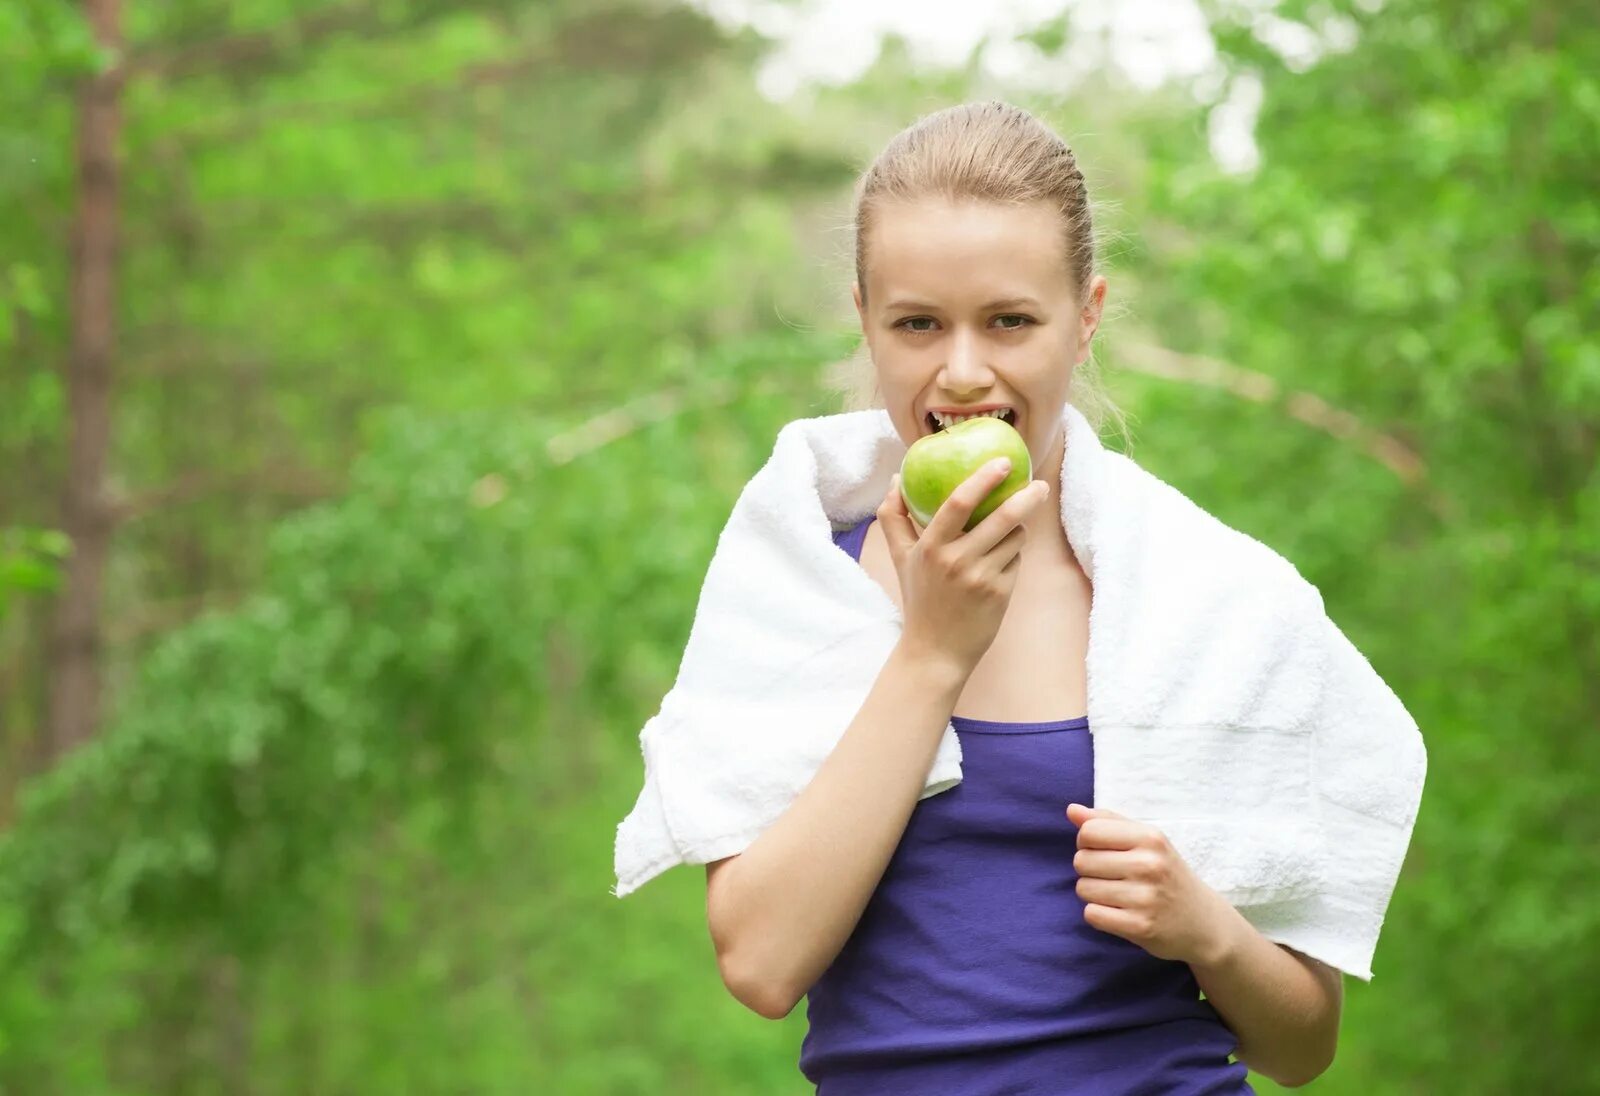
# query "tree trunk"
(75, 640)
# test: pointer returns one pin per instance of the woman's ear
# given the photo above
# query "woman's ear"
(1089, 319)
(855, 295)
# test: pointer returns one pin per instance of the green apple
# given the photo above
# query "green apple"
(936, 465)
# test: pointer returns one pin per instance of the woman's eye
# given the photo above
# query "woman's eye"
(928, 319)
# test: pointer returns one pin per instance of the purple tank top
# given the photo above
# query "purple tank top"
(972, 971)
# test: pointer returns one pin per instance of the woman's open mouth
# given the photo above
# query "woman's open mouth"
(935, 421)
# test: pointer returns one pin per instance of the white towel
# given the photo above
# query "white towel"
(1227, 709)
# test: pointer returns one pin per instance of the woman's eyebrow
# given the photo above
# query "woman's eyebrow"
(1007, 302)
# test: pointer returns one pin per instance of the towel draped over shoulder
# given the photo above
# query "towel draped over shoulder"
(1227, 708)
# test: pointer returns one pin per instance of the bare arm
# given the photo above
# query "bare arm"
(781, 911)
(1283, 1006)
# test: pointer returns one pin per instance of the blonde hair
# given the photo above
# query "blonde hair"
(988, 151)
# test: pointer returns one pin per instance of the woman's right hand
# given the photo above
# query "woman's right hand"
(955, 585)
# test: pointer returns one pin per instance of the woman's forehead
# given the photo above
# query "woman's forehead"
(937, 248)
(895, 219)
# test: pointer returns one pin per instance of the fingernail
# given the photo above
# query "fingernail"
(1002, 465)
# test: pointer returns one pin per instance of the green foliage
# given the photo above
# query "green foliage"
(434, 625)
(29, 561)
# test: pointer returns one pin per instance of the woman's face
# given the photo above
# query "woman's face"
(971, 306)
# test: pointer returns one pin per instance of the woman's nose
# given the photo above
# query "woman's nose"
(965, 365)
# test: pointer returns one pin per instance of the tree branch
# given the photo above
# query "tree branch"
(608, 426)
(1391, 452)
(1160, 361)
(618, 422)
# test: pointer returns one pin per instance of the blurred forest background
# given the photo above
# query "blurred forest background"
(376, 376)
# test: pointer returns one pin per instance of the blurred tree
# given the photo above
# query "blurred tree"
(73, 659)
(489, 189)
(324, 204)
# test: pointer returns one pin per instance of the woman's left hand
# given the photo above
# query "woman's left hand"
(1136, 886)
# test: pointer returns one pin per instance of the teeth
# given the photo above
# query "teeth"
(947, 421)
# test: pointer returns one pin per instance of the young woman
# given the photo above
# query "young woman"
(974, 941)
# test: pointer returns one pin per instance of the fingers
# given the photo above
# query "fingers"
(899, 530)
(1116, 921)
(1110, 833)
(1001, 527)
(1103, 864)
(1007, 517)
(951, 519)
(1118, 893)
